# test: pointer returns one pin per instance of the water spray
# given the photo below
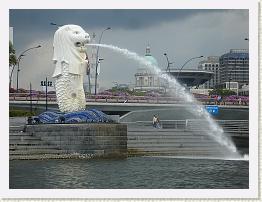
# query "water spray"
(213, 129)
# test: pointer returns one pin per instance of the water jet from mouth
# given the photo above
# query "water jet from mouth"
(212, 129)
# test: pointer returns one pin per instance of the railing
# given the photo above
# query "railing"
(232, 127)
(120, 99)
(235, 127)
(33, 97)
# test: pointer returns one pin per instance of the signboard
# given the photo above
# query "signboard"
(47, 85)
(212, 109)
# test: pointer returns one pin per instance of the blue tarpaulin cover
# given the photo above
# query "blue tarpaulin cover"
(87, 116)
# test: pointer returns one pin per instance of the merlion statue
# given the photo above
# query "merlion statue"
(71, 63)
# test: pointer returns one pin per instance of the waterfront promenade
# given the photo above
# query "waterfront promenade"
(176, 138)
(51, 98)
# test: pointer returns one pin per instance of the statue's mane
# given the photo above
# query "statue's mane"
(64, 49)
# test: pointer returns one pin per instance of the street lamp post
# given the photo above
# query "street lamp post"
(18, 63)
(30, 90)
(168, 63)
(97, 61)
(18, 70)
(186, 63)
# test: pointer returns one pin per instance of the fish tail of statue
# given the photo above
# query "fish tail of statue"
(69, 92)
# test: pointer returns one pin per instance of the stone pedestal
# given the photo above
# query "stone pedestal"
(96, 139)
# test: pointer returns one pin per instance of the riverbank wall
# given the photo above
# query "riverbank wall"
(90, 140)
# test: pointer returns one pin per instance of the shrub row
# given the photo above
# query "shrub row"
(19, 112)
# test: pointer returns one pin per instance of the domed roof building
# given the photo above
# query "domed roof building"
(146, 78)
(149, 57)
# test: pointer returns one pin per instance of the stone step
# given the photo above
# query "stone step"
(36, 151)
(49, 156)
(168, 144)
(36, 157)
(27, 142)
(76, 136)
(183, 134)
(24, 137)
(69, 152)
(169, 138)
(154, 130)
(177, 153)
(18, 128)
(18, 133)
(177, 149)
(30, 147)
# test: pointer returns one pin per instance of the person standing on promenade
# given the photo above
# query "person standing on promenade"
(154, 121)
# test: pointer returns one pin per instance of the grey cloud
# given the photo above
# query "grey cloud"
(94, 18)
(204, 33)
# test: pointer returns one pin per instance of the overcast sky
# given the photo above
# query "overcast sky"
(182, 34)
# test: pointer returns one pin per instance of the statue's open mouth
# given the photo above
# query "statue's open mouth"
(79, 44)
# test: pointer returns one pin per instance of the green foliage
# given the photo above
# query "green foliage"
(12, 57)
(139, 93)
(116, 89)
(20, 112)
(222, 92)
(127, 90)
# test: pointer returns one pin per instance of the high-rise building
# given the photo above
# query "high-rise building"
(11, 34)
(234, 67)
(212, 65)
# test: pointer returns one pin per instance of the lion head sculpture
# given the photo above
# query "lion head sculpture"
(69, 47)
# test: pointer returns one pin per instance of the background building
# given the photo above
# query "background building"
(234, 67)
(211, 65)
(11, 34)
(190, 77)
(146, 79)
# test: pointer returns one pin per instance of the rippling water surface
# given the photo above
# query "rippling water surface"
(137, 172)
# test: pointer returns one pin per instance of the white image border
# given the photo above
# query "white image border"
(252, 192)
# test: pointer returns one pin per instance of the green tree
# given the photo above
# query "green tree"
(12, 61)
(222, 92)
(12, 57)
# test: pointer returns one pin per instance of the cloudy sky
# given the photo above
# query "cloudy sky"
(181, 33)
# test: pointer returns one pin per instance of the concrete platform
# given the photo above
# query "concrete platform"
(67, 140)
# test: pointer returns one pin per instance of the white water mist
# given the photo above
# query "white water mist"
(196, 108)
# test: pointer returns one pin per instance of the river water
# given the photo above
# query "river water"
(130, 173)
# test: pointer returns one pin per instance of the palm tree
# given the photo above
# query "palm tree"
(12, 61)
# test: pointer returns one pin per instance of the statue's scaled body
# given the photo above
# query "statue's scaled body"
(70, 67)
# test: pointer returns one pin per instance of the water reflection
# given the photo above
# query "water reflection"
(140, 172)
